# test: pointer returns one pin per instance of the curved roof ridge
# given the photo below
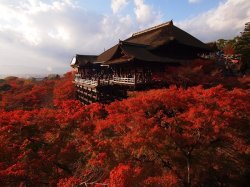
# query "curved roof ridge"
(132, 43)
(153, 28)
(108, 54)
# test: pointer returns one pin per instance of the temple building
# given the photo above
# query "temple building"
(135, 63)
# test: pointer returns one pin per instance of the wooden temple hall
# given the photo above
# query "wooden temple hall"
(134, 63)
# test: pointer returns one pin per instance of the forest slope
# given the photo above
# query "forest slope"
(165, 137)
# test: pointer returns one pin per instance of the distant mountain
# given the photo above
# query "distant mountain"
(26, 76)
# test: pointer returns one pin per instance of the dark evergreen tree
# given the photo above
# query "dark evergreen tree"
(221, 44)
(243, 45)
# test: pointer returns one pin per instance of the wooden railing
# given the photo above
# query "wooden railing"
(123, 80)
(86, 81)
(114, 80)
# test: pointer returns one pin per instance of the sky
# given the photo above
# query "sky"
(42, 36)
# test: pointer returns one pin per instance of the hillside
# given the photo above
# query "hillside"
(27, 94)
(165, 137)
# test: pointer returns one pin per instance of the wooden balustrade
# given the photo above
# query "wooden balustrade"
(114, 80)
(124, 80)
(86, 81)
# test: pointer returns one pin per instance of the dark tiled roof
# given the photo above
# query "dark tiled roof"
(119, 60)
(126, 51)
(142, 52)
(152, 38)
(107, 55)
(82, 60)
(164, 33)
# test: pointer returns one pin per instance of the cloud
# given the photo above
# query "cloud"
(194, 1)
(225, 21)
(145, 14)
(35, 35)
(49, 69)
(117, 5)
(27, 20)
(18, 60)
(142, 11)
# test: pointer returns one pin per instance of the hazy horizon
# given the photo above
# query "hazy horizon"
(27, 75)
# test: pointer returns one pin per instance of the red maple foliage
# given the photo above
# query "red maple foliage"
(229, 49)
(29, 94)
(64, 88)
(165, 137)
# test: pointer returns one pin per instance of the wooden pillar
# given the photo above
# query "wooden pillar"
(135, 75)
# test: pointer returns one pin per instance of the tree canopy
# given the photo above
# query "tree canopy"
(243, 44)
(165, 137)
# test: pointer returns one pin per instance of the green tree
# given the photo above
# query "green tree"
(221, 44)
(243, 45)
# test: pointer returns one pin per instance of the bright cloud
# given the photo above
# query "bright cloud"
(60, 34)
(194, 1)
(24, 19)
(142, 11)
(117, 5)
(45, 35)
(145, 14)
(225, 21)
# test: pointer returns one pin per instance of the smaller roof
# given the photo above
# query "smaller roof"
(107, 55)
(126, 52)
(83, 60)
(120, 60)
(142, 52)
